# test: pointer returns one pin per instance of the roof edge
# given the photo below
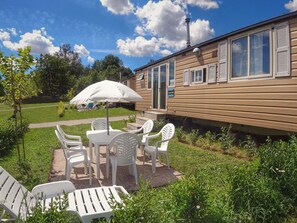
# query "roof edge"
(253, 26)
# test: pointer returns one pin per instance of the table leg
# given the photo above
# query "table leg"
(91, 150)
(97, 147)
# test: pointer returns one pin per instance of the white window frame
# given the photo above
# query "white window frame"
(248, 34)
(214, 79)
(195, 71)
(147, 82)
(174, 70)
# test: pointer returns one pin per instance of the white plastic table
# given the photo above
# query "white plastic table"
(99, 138)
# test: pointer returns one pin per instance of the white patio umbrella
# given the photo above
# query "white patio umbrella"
(106, 91)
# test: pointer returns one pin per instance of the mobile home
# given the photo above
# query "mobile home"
(247, 77)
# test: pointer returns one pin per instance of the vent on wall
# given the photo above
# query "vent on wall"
(140, 76)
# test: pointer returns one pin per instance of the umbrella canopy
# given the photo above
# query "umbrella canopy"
(106, 91)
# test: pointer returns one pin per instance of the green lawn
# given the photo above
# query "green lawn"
(47, 112)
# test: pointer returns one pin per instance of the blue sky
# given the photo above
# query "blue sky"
(135, 31)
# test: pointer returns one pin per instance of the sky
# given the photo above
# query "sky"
(135, 31)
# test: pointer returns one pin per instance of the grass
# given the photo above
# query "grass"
(38, 113)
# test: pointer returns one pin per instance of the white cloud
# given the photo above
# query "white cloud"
(121, 7)
(13, 31)
(91, 59)
(163, 30)
(40, 42)
(81, 50)
(291, 5)
(204, 4)
(138, 46)
(4, 35)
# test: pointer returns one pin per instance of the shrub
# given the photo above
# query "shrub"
(225, 138)
(7, 136)
(55, 213)
(278, 160)
(131, 118)
(255, 197)
(180, 134)
(61, 109)
(194, 136)
(183, 201)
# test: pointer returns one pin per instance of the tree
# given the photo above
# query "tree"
(57, 74)
(17, 85)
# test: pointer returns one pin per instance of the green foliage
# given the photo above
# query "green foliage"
(250, 146)
(181, 134)
(225, 138)
(255, 197)
(194, 136)
(278, 160)
(17, 85)
(7, 136)
(183, 201)
(159, 124)
(55, 213)
(132, 118)
(211, 137)
(26, 175)
(61, 109)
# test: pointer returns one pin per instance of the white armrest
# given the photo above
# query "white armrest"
(73, 143)
(147, 138)
(73, 137)
(136, 130)
(53, 189)
(159, 142)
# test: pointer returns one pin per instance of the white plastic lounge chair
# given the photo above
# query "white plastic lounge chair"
(124, 148)
(87, 204)
(144, 131)
(100, 124)
(75, 154)
(160, 147)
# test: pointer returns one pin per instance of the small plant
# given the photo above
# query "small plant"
(131, 118)
(158, 124)
(250, 146)
(61, 109)
(180, 134)
(225, 138)
(194, 136)
(211, 137)
(57, 212)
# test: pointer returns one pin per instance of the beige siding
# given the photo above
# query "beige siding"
(269, 103)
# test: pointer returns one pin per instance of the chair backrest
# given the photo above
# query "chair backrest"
(61, 131)
(167, 134)
(63, 143)
(125, 147)
(147, 128)
(15, 199)
(99, 124)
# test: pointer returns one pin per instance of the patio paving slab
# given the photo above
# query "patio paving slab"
(162, 177)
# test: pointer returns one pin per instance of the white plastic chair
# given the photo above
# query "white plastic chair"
(144, 131)
(161, 146)
(75, 153)
(67, 136)
(100, 124)
(124, 148)
(16, 202)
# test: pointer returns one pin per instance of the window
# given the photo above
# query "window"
(149, 78)
(197, 76)
(171, 73)
(251, 55)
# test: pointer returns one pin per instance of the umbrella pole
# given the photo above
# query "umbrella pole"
(107, 117)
